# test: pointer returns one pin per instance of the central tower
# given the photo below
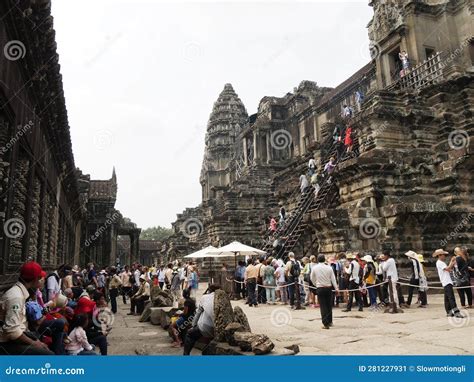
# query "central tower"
(227, 119)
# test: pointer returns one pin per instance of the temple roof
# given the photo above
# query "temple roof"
(103, 189)
(228, 107)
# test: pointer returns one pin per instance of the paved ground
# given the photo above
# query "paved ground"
(416, 331)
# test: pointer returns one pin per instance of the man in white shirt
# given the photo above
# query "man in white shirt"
(354, 282)
(53, 285)
(311, 166)
(447, 283)
(389, 268)
(203, 323)
(323, 278)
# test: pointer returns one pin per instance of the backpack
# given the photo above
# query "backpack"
(295, 269)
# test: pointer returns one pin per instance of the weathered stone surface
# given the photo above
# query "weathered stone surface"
(223, 314)
(293, 348)
(221, 348)
(146, 313)
(262, 345)
(159, 316)
(230, 330)
(154, 292)
(163, 301)
(241, 318)
(257, 343)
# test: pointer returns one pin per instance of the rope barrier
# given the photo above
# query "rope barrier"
(431, 287)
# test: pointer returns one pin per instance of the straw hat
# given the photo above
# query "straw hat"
(368, 259)
(60, 301)
(420, 258)
(440, 252)
(350, 256)
(411, 254)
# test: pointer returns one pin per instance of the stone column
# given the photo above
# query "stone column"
(255, 148)
(246, 158)
(269, 148)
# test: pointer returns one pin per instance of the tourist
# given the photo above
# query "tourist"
(337, 133)
(444, 276)
(127, 281)
(161, 276)
(322, 276)
(311, 287)
(306, 273)
(251, 275)
(311, 167)
(53, 285)
(416, 274)
(114, 285)
(348, 140)
(239, 277)
(280, 278)
(39, 324)
(136, 274)
(203, 322)
(78, 343)
(462, 277)
(292, 273)
(168, 275)
(193, 280)
(342, 278)
(389, 268)
(354, 272)
(403, 56)
(369, 279)
(181, 273)
(67, 281)
(15, 339)
(261, 294)
(180, 327)
(304, 185)
(422, 295)
(71, 299)
(330, 166)
(175, 285)
(282, 216)
(92, 276)
(101, 281)
(137, 302)
(85, 304)
(359, 97)
(269, 281)
(346, 111)
(273, 225)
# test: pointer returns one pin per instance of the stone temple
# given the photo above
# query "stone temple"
(408, 183)
(49, 210)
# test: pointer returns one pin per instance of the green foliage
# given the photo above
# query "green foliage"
(156, 233)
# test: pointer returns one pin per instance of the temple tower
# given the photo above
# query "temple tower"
(227, 119)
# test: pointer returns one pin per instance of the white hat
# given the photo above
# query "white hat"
(368, 259)
(411, 254)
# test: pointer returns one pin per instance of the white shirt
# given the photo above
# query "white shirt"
(13, 312)
(303, 182)
(206, 319)
(136, 274)
(281, 273)
(322, 276)
(390, 269)
(444, 275)
(416, 265)
(353, 270)
(161, 275)
(52, 286)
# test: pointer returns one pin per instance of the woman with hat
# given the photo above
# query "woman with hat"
(369, 279)
(447, 283)
(416, 275)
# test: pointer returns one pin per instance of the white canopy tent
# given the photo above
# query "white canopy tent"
(235, 249)
(202, 253)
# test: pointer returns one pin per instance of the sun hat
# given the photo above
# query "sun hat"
(60, 301)
(440, 252)
(411, 254)
(368, 259)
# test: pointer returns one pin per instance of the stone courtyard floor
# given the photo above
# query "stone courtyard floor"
(416, 331)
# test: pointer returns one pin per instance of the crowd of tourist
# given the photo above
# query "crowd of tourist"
(354, 277)
(67, 311)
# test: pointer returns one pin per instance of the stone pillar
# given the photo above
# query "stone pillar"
(269, 148)
(255, 148)
(246, 158)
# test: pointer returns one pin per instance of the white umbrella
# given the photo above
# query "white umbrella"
(234, 249)
(201, 253)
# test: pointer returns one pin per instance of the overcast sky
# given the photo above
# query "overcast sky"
(140, 79)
